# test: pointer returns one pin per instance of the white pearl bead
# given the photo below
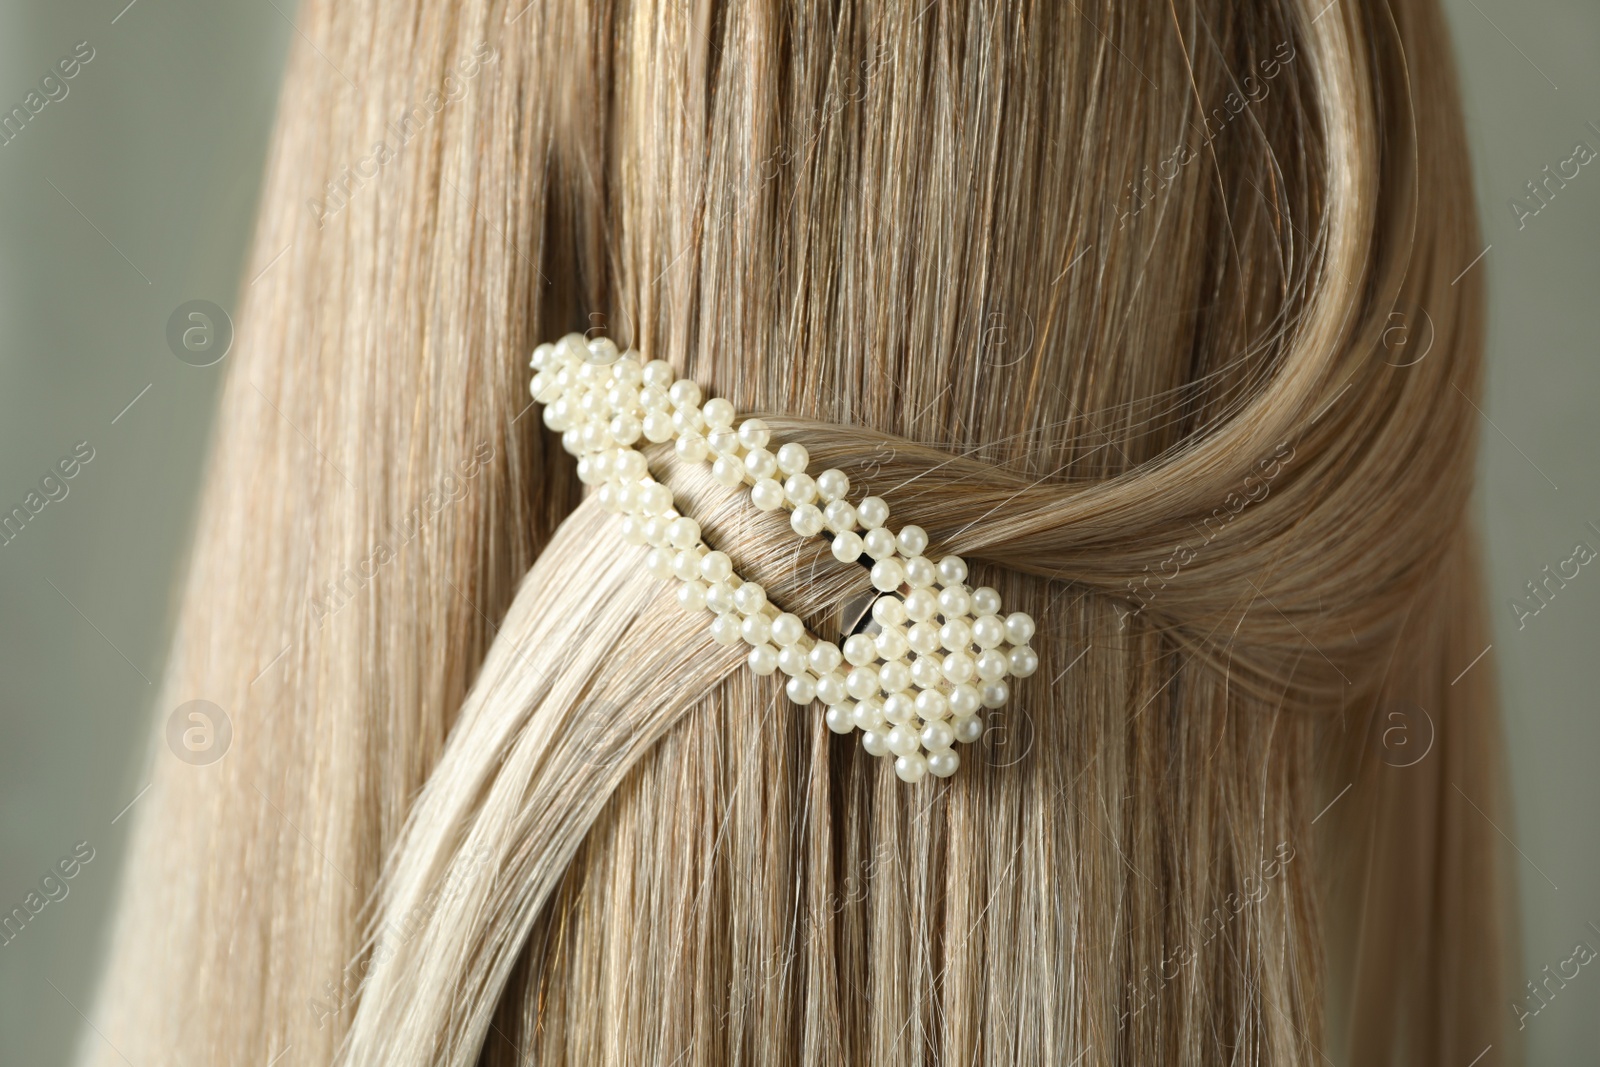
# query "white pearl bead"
(686, 565)
(655, 498)
(862, 682)
(799, 488)
(889, 611)
(903, 740)
(655, 401)
(931, 707)
(687, 421)
(959, 667)
(724, 441)
(632, 531)
(937, 735)
(719, 597)
(839, 720)
(831, 690)
(793, 458)
(718, 412)
(1024, 661)
(658, 563)
(631, 465)
(992, 665)
(625, 429)
(750, 598)
(968, 729)
(944, 763)
(1019, 628)
(759, 463)
(910, 768)
(806, 520)
(753, 434)
(847, 547)
(787, 629)
(725, 629)
(873, 513)
(792, 660)
(892, 644)
(657, 426)
(841, 517)
(603, 350)
(924, 637)
(879, 543)
(859, 650)
(876, 742)
(684, 533)
(995, 694)
(988, 631)
(729, 472)
(921, 605)
(912, 540)
(954, 601)
(692, 595)
(756, 629)
(824, 657)
(658, 372)
(952, 570)
(920, 572)
(763, 660)
(887, 574)
(899, 708)
(832, 485)
(955, 635)
(802, 689)
(894, 676)
(716, 567)
(964, 700)
(684, 393)
(542, 356)
(692, 448)
(925, 672)
(767, 495)
(868, 715)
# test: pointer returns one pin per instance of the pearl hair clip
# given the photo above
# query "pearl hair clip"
(935, 651)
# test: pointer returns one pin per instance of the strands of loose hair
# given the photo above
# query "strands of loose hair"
(1102, 296)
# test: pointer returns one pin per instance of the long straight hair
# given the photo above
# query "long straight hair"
(1151, 312)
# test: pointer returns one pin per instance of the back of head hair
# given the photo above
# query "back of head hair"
(1103, 296)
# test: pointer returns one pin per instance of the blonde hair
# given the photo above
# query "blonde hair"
(1102, 296)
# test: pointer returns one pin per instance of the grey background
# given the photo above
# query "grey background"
(135, 194)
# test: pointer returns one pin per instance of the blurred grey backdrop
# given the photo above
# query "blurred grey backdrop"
(131, 192)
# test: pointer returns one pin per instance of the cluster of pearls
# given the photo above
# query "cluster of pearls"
(940, 651)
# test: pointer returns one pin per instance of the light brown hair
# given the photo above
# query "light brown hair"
(1103, 296)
